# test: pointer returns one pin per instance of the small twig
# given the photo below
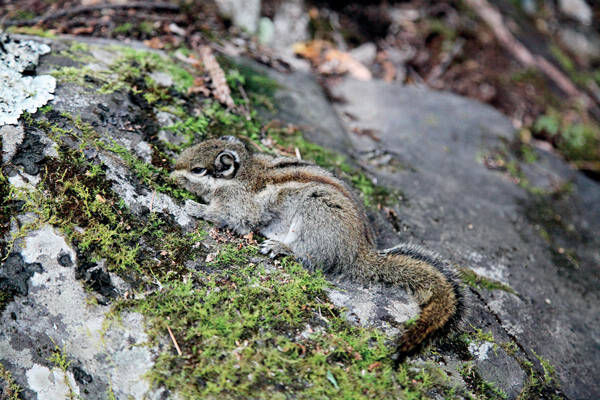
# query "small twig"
(246, 109)
(493, 18)
(255, 145)
(152, 199)
(188, 60)
(97, 7)
(174, 341)
(447, 59)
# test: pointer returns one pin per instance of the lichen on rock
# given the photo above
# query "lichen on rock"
(19, 91)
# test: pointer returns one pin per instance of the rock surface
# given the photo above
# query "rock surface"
(577, 9)
(433, 146)
(538, 247)
(480, 219)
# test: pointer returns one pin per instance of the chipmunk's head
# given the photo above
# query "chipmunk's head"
(210, 164)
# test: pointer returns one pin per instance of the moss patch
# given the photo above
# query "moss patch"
(477, 281)
(9, 389)
(549, 213)
(483, 388)
(251, 331)
(578, 141)
(125, 71)
(539, 385)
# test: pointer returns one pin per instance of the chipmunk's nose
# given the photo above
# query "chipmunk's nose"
(177, 174)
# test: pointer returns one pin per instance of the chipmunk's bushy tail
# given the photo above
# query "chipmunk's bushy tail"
(434, 284)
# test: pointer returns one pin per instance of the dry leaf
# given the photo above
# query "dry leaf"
(341, 62)
(373, 366)
(155, 43)
(389, 71)
(199, 87)
(312, 50)
(329, 60)
(217, 76)
(82, 29)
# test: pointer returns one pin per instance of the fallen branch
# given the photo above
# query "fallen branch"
(491, 16)
(97, 7)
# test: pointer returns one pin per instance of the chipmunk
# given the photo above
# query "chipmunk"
(306, 211)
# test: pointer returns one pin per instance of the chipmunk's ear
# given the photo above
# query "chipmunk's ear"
(227, 164)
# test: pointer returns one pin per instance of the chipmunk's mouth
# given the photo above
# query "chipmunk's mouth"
(178, 176)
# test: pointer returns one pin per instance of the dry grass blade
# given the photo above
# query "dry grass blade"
(174, 341)
(217, 76)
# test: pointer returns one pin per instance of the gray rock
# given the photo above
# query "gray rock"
(374, 305)
(12, 136)
(243, 13)
(585, 45)
(301, 101)
(290, 24)
(480, 219)
(365, 53)
(266, 30)
(577, 9)
(56, 313)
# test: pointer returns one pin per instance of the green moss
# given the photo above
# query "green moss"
(59, 359)
(527, 75)
(548, 368)
(549, 214)
(239, 330)
(31, 30)
(482, 387)
(123, 28)
(93, 217)
(538, 385)
(528, 154)
(146, 27)
(579, 142)
(477, 281)
(482, 336)
(193, 129)
(254, 82)
(20, 15)
(133, 61)
(578, 75)
(124, 71)
(156, 178)
(9, 390)
(440, 27)
(5, 298)
(78, 47)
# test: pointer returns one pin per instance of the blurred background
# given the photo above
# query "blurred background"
(537, 61)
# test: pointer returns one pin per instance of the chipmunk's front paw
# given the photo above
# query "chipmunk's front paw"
(195, 209)
(274, 248)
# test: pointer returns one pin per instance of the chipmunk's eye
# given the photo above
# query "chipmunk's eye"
(199, 171)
